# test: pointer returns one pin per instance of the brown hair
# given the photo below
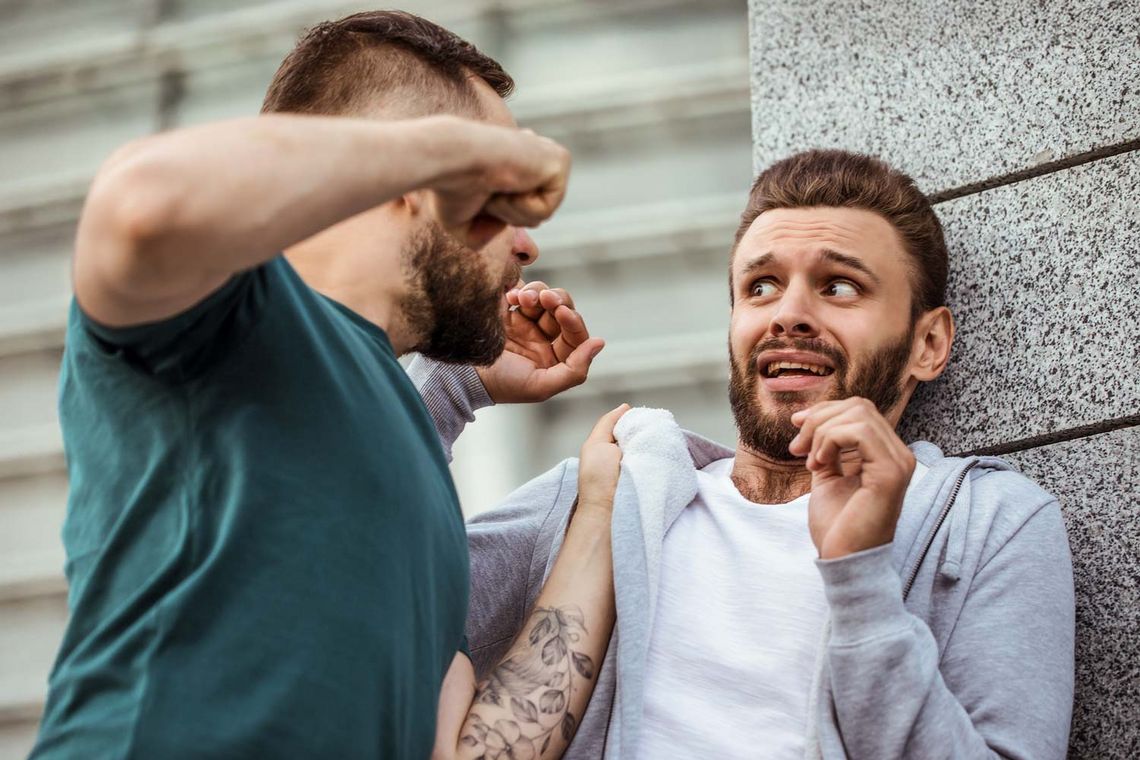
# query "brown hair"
(380, 59)
(839, 178)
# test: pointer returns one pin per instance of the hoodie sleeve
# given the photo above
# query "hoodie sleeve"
(509, 547)
(452, 394)
(1003, 687)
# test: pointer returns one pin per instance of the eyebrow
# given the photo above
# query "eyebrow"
(757, 263)
(850, 262)
(827, 254)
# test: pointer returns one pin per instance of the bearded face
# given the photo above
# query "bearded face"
(454, 302)
(767, 428)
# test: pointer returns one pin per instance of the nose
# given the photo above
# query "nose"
(524, 248)
(794, 317)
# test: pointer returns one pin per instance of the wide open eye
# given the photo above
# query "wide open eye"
(762, 288)
(842, 289)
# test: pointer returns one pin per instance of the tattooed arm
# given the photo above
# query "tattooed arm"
(530, 703)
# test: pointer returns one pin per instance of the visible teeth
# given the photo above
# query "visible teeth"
(775, 367)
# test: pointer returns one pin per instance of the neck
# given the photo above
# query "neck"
(765, 480)
(342, 283)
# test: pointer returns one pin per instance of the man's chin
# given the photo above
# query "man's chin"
(466, 343)
(769, 435)
(483, 361)
(785, 403)
(453, 355)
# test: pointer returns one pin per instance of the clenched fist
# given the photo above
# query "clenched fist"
(514, 177)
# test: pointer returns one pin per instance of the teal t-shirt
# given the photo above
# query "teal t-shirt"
(265, 551)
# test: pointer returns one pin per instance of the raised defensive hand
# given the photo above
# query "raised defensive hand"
(548, 347)
(530, 704)
(519, 179)
(860, 471)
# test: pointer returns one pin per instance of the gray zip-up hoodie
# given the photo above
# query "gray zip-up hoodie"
(954, 641)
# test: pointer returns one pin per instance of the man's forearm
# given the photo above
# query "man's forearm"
(1010, 659)
(224, 197)
(535, 697)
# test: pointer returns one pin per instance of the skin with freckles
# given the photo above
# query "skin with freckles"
(831, 288)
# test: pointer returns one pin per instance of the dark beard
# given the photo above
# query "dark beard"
(452, 307)
(770, 432)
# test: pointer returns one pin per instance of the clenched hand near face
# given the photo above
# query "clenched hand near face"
(860, 471)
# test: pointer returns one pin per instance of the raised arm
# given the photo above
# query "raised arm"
(531, 702)
(171, 217)
(1010, 656)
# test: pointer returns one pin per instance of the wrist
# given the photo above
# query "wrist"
(474, 387)
(453, 145)
(594, 512)
(864, 595)
(840, 549)
(487, 383)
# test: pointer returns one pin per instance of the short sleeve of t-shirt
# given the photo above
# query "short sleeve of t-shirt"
(182, 346)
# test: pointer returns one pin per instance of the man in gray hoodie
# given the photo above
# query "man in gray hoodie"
(824, 590)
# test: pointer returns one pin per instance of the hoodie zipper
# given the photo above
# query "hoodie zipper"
(937, 526)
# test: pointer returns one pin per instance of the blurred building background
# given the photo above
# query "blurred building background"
(652, 97)
(1020, 118)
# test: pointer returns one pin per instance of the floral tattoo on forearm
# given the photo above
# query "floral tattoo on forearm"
(534, 683)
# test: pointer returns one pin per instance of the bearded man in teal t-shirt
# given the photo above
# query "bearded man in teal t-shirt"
(266, 553)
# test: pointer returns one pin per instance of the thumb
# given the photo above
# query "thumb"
(603, 431)
(571, 372)
(582, 357)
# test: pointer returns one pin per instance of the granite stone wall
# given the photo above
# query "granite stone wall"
(1021, 120)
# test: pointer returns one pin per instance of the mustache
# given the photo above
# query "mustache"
(811, 345)
(513, 275)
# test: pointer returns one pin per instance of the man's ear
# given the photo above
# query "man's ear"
(933, 336)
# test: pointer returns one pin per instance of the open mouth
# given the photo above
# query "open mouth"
(796, 369)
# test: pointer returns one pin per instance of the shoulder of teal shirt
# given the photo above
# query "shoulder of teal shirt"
(180, 347)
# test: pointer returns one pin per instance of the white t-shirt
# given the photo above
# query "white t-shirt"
(739, 618)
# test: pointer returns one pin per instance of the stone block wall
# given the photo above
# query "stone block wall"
(1021, 120)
